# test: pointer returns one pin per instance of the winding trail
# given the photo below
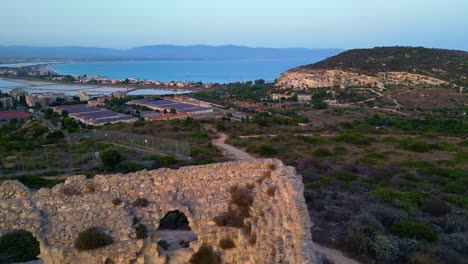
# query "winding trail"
(230, 151)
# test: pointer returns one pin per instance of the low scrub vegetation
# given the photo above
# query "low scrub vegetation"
(239, 208)
(92, 238)
(18, 246)
(140, 202)
(227, 243)
(205, 255)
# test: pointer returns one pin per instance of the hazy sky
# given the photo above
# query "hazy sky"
(266, 23)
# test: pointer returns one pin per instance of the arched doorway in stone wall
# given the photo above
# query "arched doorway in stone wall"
(174, 231)
(18, 246)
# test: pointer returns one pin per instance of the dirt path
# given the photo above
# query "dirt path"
(334, 256)
(230, 151)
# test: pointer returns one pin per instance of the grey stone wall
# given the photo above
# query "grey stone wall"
(279, 219)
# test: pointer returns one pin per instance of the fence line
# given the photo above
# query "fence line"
(159, 145)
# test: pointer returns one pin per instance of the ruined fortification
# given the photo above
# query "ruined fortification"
(279, 225)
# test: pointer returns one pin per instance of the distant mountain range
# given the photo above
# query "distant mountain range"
(171, 52)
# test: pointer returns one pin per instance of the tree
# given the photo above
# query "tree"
(70, 125)
(260, 81)
(173, 111)
(110, 158)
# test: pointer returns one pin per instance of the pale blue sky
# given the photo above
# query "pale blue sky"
(265, 23)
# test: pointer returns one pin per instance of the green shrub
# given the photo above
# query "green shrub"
(354, 138)
(19, 246)
(36, 182)
(128, 166)
(345, 176)
(226, 243)
(409, 199)
(164, 161)
(110, 158)
(322, 152)
(455, 188)
(150, 157)
(415, 145)
(205, 255)
(339, 150)
(414, 230)
(265, 149)
(444, 146)
(92, 238)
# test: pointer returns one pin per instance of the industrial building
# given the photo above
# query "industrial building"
(92, 115)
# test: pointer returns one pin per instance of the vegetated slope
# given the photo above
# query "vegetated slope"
(382, 67)
(448, 65)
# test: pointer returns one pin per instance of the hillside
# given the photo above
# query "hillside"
(201, 52)
(383, 66)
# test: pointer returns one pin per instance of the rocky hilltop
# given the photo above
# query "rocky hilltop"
(382, 67)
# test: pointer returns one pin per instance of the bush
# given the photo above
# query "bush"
(435, 207)
(92, 238)
(162, 162)
(454, 188)
(226, 243)
(239, 209)
(140, 202)
(141, 231)
(345, 176)
(385, 249)
(354, 138)
(413, 229)
(117, 201)
(321, 152)
(408, 199)
(110, 158)
(415, 145)
(265, 149)
(20, 246)
(205, 255)
(128, 166)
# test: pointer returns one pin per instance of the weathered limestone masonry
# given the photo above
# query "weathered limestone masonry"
(279, 219)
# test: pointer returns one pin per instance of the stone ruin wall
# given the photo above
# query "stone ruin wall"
(280, 222)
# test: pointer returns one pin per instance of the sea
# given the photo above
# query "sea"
(206, 71)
